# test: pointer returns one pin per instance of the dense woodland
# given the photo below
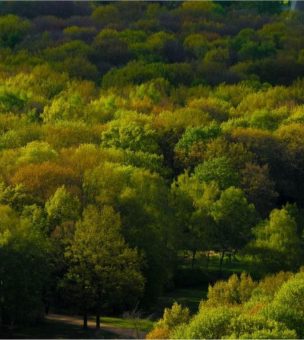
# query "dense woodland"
(132, 133)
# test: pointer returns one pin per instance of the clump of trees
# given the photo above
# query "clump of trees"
(240, 308)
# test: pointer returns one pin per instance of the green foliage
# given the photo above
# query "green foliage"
(37, 152)
(278, 241)
(69, 49)
(257, 327)
(15, 196)
(62, 207)
(175, 316)
(64, 107)
(105, 14)
(77, 32)
(236, 290)
(269, 285)
(188, 149)
(140, 196)
(131, 136)
(196, 44)
(104, 269)
(194, 135)
(24, 269)
(10, 101)
(210, 323)
(130, 133)
(287, 305)
(172, 318)
(12, 29)
(259, 187)
(219, 170)
(234, 309)
(133, 72)
(234, 218)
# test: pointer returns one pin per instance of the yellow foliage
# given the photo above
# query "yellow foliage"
(158, 333)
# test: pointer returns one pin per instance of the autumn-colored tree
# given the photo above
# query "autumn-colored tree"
(43, 179)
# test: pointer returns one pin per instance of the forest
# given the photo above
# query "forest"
(150, 146)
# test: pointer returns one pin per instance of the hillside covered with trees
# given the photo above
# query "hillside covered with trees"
(135, 134)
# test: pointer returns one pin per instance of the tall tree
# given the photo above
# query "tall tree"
(104, 270)
(234, 218)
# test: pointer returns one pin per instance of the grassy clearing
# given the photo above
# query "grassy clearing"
(143, 325)
(192, 282)
(234, 265)
(187, 297)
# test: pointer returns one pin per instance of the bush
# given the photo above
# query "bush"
(288, 304)
(173, 317)
(257, 327)
(210, 323)
(234, 291)
(158, 333)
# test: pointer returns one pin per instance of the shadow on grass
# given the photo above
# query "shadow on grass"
(50, 329)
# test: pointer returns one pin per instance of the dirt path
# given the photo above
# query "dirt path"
(122, 333)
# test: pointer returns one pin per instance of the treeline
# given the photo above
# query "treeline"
(186, 43)
(128, 138)
(241, 308)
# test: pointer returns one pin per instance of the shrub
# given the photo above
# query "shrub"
(173, 317)
(210, 323)
(288, 305)
(257, 327)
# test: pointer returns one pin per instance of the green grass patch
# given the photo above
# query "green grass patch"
(190, 298)
(143, 325)
(230, 266)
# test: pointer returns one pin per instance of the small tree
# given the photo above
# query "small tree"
(173, 317)
(277, 244)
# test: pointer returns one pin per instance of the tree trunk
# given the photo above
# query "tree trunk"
(208, 259)
(85, 320)
(97, 320)
(221, 261)
(193, 258)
